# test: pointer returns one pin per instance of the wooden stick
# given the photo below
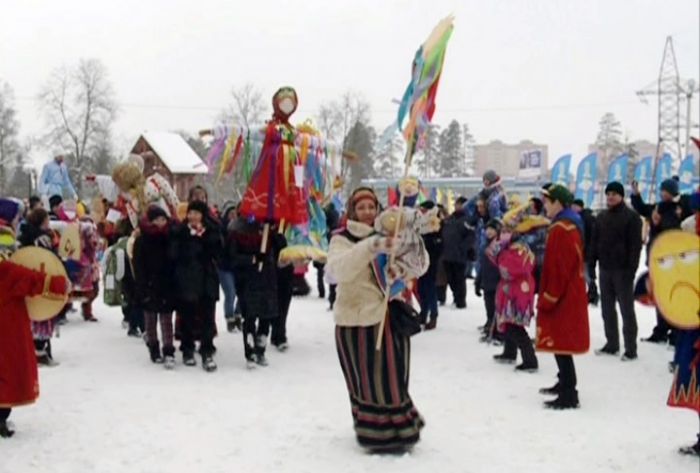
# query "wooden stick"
(263, 244)
(392, 251)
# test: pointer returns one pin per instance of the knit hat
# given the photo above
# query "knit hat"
(198, 206)
(9, 209)
(578, 202)
(615, 187)
(670, 186)
(495, 224)
(227, 207)
(154, 212)
(55, 200)
(557, 192)
(491, 177)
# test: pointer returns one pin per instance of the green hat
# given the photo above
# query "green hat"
(560, 193)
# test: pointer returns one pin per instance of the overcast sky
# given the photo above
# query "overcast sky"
(544, 70)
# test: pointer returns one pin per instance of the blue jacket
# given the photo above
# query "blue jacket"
(55, 180)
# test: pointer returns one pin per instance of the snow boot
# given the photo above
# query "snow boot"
(282, 347)
(250, 363)
(607, 350)
(553, 391)
(261, 360)
(504, 359)
(431, 325)
(526, 368)
(208, 364)
(5, 431)
(564, 401)
(629, 356)
(693, 450)
(188, 359)
(154, 352)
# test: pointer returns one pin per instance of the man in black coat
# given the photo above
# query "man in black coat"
(662, 216)
(617, 246)
(456, 237)
(589, 230)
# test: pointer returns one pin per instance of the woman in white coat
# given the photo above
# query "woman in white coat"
(385, 418)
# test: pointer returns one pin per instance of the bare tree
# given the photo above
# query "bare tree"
(337, 117)
(248, 107)
(9, 129)
(79, 108)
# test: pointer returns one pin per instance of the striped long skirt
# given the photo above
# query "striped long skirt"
(382, 410)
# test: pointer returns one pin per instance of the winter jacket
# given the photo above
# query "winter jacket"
(255, 272)
(153, 270)
(458, 238)
(617, 242)
(672, 214)
(488, 276)
(433, 245)
(515, 294)
(194, 260)
(360, 301)
(496, 201)
(562, 304)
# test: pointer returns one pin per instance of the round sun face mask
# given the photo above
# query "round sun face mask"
(674, 266)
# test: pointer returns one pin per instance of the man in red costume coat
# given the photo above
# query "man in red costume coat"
(562, 305)
(19, 383)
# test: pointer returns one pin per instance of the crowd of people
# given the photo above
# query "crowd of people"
(532, 261)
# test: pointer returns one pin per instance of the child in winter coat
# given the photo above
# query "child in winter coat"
(487, 280)
(515, 299)
(255, 274)
(154, 283)
(194, 248)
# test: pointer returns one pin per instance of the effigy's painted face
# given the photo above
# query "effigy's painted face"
(285, 102)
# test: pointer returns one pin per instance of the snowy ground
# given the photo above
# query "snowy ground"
(106, 408)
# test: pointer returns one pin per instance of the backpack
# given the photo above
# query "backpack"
(115, 268)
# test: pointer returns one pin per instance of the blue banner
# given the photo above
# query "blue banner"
(560, 171)
(663, 172)
(642, 174)
(586, 177)
(688, 174)
(618, 170)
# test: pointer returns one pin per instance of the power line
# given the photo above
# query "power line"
(500, 109)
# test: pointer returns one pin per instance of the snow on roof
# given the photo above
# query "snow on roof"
(175, 153)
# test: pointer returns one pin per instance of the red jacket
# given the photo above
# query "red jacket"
(19, 382)
(562, 305)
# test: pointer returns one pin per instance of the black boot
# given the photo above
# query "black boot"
(564, 401)
(5, 431)
(693, 450)
(154, 351)
(553, 391)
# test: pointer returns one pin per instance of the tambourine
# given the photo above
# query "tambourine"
(44, 306)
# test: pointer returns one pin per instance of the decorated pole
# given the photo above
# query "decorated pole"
(418, 103)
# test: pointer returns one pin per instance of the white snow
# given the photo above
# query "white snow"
(106, 408)
(175, 153)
